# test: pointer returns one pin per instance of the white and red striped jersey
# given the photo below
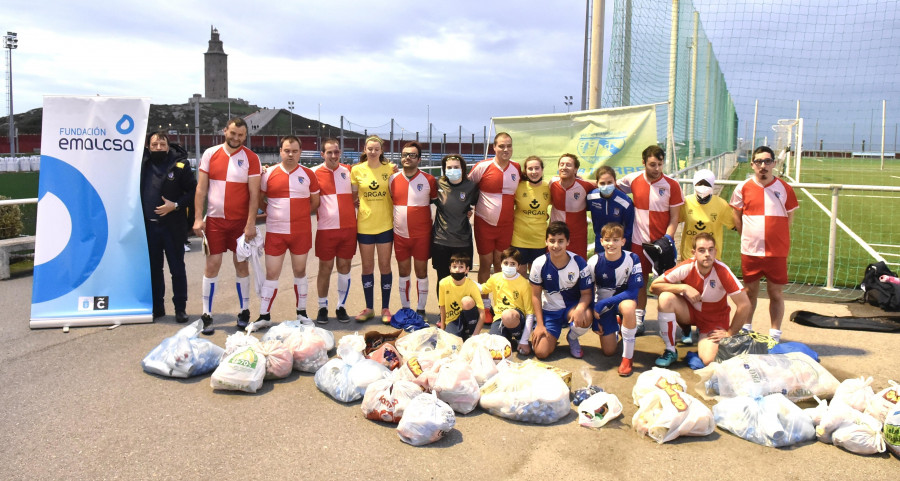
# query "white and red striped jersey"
(288, 194)
(336, 210)
(713, 289)
(412, 204)
(766, 231)
(496, 191)
(229, 196)
(570, 206)
(651, 204)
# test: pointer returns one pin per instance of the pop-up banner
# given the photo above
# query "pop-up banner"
(614, 137)
(90, 260)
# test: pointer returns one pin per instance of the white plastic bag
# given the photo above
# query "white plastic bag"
(334, 379)
(599, 409)
(772, 421)
(243, 370)
(666, 414)
(854, 392)
(850, 429)
(456, 386)
(528, 393)
(183, 355)
(284, 329)
(279, 359)
(420, 371)
(351, 347)
(882, 402)
(816, 413)
(498, 346)
(795, 374)
(307, 349)
(386, 399)
(430, 342)
(238, 340)
(483, 366)
(656, 378)
(365, 372)
(891, 430)
(425, 420)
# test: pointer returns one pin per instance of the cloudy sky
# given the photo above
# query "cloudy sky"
(463, 62)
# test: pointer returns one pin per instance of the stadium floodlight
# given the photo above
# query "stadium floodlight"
(291, 108)
(567, 101)
(11, 42)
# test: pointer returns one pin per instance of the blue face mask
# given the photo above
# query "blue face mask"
(607, 190)
(453, 175)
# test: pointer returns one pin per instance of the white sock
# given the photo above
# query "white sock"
(301, 288)
(323, 302)
(639, 314)
(747, 327)
(267, 296)
(404, 291)
(667, 329)
(529, 326)
(577, 331)
(343, 287)
(422, 287)
(775, 334)
(628, 342)
(209, 290)
(243, 290)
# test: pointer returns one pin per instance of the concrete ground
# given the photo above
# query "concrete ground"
(78, 406)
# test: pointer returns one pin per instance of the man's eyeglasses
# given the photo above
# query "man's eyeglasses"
(763, 161)
(410, 155)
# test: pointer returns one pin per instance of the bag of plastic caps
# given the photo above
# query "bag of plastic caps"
(183, 355)
(589, 390)
(526, 392)
(599, 409)
(667, 413)
(238, 340)
(286, 328)
(386, 355)
(656, 378)
(483, 366)
(891, 430)
(498, 346)
(854, 392)
(386, 399)
(350, 348)
(772, 421)
(795, 375)
(419, 371)
(243, 370)
(425, 420)
(334, 379)
(456, 386)
(881, 403)
(365, 372)
(850, 429)
(308, 350)
(430, 342)
(279, 359)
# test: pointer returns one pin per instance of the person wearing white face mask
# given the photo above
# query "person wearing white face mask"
(511, 297)
(703, 211)
(452, 230)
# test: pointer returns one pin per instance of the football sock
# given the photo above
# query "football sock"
(267, 296)
(422, 287)
(301, 290)
(343, 288)
(243, 290)
(667, 329)
(403, 287)
(628, 342)
(209, 290)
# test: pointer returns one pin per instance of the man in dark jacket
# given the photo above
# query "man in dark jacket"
(167, 188)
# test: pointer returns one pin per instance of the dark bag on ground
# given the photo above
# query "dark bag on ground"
(744, 343)
(880, 294)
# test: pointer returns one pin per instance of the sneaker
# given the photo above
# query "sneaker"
(305, 321)
(640, 329)
(181, 317)
(421, 312)
(625, 367)
(667, 358)
(207, 325)
(365, 315)
(301, 312)
(385, 316)
(322, 318)
(687, 340)
(524, 349)
(574, 346)
(187, 247)
(263, 322)
(341, 314)
(243, 319)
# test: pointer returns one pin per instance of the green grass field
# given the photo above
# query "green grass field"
(22, 185)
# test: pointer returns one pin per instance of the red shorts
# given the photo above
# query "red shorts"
(222, 235)
(331, 243)
(298, 244)
(774, 269)
(419, 248)
(646, 266)
(489, 238)
(706, 323)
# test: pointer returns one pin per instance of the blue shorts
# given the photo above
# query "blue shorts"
(512, 335)
(464, 325)
(555, 320)
(385, 237)
(607, 322)
(529, 255)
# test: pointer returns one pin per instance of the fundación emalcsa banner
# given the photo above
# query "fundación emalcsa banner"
(614, 137)
(90, 260)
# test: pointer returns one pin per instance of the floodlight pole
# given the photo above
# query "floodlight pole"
(670, 120)
(11, 42)
(883, 112)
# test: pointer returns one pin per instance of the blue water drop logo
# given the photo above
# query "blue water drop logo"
(125, 124)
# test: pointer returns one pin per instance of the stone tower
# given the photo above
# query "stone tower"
(216, 68)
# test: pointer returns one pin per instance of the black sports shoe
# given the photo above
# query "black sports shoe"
(341, 314)
(207, 325)
(301, 312)
(181, 317)
(243, 319)
(421, 312)
(322, 318)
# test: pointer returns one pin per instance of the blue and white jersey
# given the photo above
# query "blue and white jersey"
(618, 208)
(561, 287)
(612, 278)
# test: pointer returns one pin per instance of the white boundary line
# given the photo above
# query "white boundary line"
(885, 245)
(844, 227)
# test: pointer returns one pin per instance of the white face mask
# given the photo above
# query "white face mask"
(606, 190)
(509, 271)
(453, 175)
(703, 191)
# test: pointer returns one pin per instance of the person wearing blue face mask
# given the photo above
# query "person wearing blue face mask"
(608, 204)
(452, 230)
